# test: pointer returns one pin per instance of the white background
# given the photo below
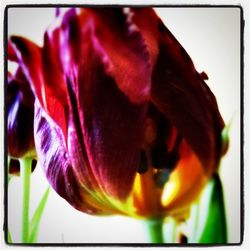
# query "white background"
(211, 37)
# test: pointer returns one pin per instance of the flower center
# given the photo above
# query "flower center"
(159, 156)
(160, 149)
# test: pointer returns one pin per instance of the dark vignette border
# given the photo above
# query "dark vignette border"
(242, 142)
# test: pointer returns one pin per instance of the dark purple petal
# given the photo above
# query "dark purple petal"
(180, 92)
(108, 127)
(20, 110)
(112, 126)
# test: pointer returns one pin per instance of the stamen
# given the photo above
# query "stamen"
(159, 155)
(143, 166)
(172, 160)
(160, 148)
(177, 143)
(161, 177)
(150, 132)
(173, 155)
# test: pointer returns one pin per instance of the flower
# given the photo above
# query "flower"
(20, 112)
(124, 124)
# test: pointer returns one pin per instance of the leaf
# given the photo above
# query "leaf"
(35, 221)
(215, 228)
(225, 138)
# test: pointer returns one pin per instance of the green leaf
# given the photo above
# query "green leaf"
(215, 228)
(225, 138)
(34, 224)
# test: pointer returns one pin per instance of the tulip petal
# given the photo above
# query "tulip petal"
(20, 119)
(57, 165)
(11, 53)
(148, 28)
(182, 95)
(109, 124)
(185, 183)
(112, 125)
(29, 57)
(131, 67)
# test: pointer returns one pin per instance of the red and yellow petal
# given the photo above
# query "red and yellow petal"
(185, 183)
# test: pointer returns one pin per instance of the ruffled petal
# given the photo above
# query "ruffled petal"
(148, 28)
(182, 95)
(125, 49)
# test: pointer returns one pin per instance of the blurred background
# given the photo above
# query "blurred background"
(211, 36)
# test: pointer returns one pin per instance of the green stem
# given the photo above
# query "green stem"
(155, 229)
(25, 175)
(9, 177)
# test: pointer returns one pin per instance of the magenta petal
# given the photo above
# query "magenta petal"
(180, 92)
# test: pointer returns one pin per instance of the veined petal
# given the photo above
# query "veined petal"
(107, 124)
(182, 95)
(57, 165)
(112, 126)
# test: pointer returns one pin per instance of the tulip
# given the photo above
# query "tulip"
(124, 124)
(20, 138)
(20, 112)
